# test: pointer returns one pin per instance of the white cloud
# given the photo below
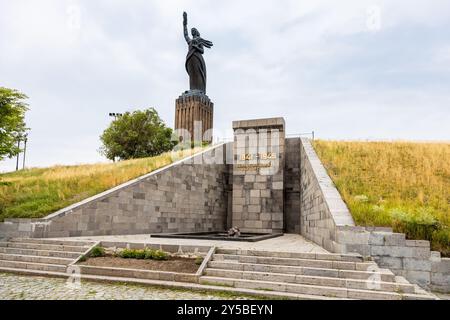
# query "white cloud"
(315, 63)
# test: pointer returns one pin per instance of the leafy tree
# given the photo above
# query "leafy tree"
(12, 121)
(137, 134)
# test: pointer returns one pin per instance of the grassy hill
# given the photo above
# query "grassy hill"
(404, 185)
(34, 193)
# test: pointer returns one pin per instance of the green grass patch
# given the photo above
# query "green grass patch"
(403, 185)
(35, 193)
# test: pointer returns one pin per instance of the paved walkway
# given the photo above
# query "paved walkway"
(18, 287)
(443, 296)
(287, 242)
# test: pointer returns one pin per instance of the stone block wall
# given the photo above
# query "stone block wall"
(292, 186)
(411, 259)
(258, 167)
(326, 220)
(440, 273)
(322, 208)
(186, 196)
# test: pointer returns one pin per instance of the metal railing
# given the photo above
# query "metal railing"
(299, 135)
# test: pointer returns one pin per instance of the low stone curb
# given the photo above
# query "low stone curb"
(84, 254)
(111, 271)
(205, 262)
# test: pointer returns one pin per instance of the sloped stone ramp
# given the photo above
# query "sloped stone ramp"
(309, 275)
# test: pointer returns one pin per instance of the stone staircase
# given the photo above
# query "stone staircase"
(291, 275)
(308, 275)
(40, 256)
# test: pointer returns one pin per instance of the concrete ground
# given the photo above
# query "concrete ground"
(287, 242)
(442, 296)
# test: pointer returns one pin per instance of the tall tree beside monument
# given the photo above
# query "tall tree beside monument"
(137, 134)
(12, 121)
(194, 109)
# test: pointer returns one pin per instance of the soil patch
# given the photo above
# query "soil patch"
(175, 264)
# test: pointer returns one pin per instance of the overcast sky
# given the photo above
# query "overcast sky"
(345, 69)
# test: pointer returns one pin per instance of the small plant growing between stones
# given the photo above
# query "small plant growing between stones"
(97, 252)
(198, 260)
(82, 258)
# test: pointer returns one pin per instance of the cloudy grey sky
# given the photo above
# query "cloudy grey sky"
(346, 69)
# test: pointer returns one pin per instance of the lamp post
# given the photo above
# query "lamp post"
(25, 140)
(115, 115)
(18, 147)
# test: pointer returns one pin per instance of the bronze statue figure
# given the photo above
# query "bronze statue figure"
(195, 64)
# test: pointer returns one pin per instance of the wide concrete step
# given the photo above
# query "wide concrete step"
(328, 264)
(76, 243)
(39, 246)
(36, 259)
(381, 274)
(302, 288)
(370, 284)
(32, 266)
(181, 285)
(43, 253)
(294, 255)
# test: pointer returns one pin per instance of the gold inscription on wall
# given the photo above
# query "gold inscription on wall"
(260, 156)
(257, 156)
(254, 166)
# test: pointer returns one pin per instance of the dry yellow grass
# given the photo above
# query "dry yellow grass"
(405, 185)
(34, 193)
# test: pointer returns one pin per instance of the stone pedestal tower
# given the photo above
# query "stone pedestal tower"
(194, 117)
(193, 109)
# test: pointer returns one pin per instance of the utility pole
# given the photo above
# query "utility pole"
(17, 162)
(24, 150)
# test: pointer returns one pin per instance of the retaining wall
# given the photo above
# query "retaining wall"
(322, 208)
(326, 220)
(187, 196)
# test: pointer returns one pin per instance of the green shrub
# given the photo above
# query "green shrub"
(82, 258)
(97, 252)
(198, 260)
(5, 183)
(420, 224)
(160, 255)
(441, 241)
(139, 254)
(144, 254)
(127, 254)
(149, 253)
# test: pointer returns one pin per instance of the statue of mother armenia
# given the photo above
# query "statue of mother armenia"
(195, 64)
